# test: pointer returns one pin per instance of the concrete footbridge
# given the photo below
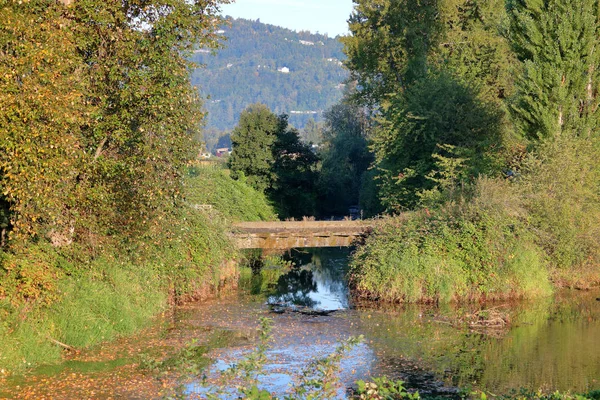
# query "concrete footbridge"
(291, 234)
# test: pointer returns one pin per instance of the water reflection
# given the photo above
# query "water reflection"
(550, 344)
(317, 280)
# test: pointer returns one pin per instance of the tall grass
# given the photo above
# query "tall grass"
(461, 251)
(501, 239)
(235, 200)
(82, 295)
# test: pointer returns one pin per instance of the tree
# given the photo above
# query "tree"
(272, 158)
(396, 43)
(252, 141)
(312, 132)
(433, 71)
(293, 188)
(437, 129)
(557, 42)
(97, 114)
(389, 44)
(346, 157)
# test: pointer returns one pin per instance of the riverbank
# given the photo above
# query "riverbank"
(56, 300)
(497, 238)
(548, 345)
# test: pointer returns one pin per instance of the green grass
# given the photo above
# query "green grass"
(497, 239)
(235, 200)
(109, 301)
(81, 298)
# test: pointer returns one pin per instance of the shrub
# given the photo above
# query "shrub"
(465, 250)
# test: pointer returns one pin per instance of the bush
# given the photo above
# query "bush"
(465, 250)
(560, 188)
(497, 238)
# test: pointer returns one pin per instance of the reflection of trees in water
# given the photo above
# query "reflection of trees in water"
(294, 288)
(317, 271)
(551, 345)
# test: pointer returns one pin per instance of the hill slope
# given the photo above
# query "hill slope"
(297, 73)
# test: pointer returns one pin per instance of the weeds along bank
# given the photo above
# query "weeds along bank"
(501, 238)
(78, 296)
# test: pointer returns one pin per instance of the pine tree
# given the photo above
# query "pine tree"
(558, 43)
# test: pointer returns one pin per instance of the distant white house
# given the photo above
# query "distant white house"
(284, 70)
(335, 60)
(306, 43)
(229, 65)
(304, 112)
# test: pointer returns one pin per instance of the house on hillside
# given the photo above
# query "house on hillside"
(284, 70)
(223, 152)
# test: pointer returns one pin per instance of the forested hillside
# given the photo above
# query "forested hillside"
(253, 67)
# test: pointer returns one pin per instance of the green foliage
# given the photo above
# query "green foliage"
(396, 43)
(506, 241)
(233, 199)
(436, 72)
(437, 120)
(345, 156)
(272, 159)
(113, 299)
(245, 72)
(106, 154)
(383, 389)
(294, 171)
(557, 43)
(461, 251)
(561, 190)
(252, 141)
(388, 48)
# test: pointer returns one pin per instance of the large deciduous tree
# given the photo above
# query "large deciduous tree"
(96, 112)
(435, 72)
(252, 140)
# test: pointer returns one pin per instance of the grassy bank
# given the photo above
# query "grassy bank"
(499, 238)
(52, 298)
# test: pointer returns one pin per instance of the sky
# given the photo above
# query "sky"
(323, 16)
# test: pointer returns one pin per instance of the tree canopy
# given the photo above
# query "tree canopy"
(96, 112)
(269, 154)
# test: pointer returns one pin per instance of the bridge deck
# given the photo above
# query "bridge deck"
(288, 234)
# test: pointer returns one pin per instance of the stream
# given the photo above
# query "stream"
(549, 344)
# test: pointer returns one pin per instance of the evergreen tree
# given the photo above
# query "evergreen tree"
(558, 43)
